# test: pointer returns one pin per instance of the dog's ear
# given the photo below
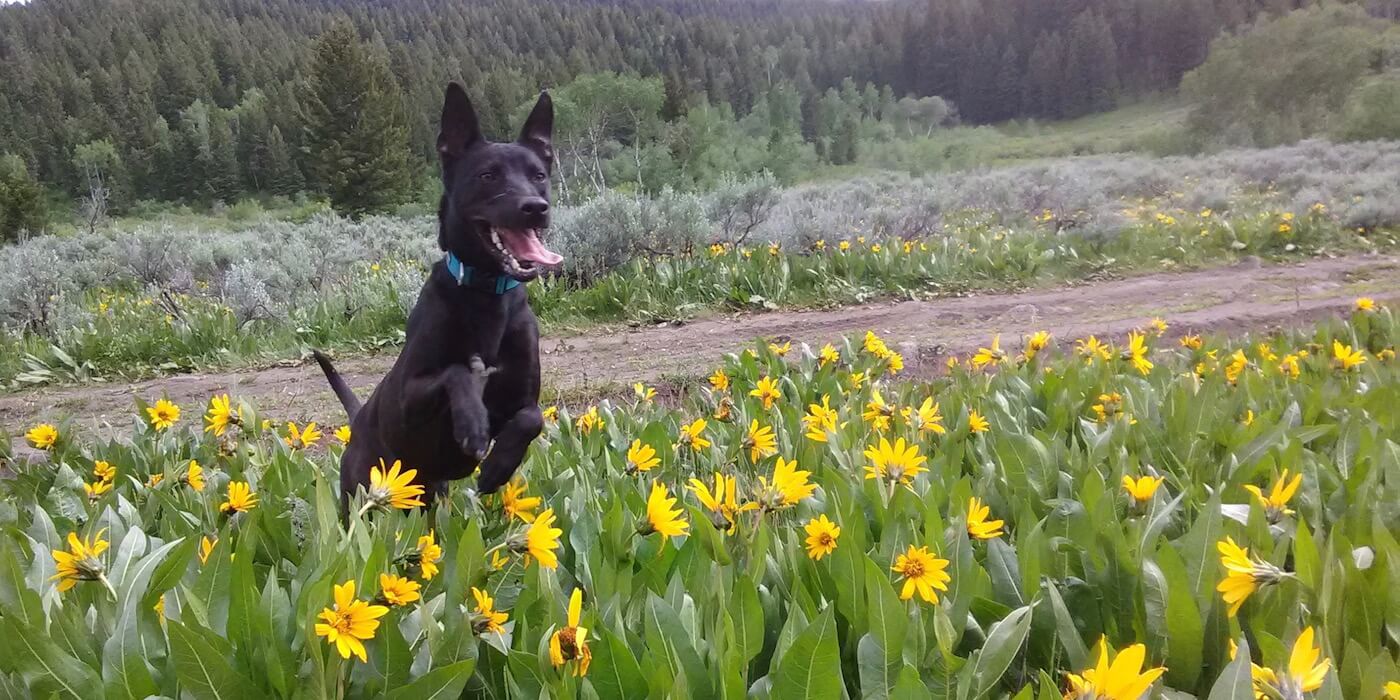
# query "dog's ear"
(460, 129)
(538, 132)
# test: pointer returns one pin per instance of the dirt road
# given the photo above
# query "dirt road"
(1228, 299)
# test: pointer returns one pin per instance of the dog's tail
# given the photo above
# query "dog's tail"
(348, 399)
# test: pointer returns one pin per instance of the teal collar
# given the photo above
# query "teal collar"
(467, 276)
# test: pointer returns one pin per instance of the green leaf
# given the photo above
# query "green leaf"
(667, 635)
(438, 684)
(615, 672)
(397, 660)
(1065, 631)
(204, 671)
(45, 668)
(1003, 642)
(884, 613)
(1002, 568)
(127, 652)
(748, 624)
(811, 668)
(1185, 629)
(1235, 681)
(878, 670)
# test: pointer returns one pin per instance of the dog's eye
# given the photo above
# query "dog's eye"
(539, 176)
(487, 176)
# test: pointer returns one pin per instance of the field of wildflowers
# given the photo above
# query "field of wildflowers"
(1079, 518)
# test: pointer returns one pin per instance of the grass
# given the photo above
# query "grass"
(195, 600)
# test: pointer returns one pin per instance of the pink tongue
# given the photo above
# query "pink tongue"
(525, 245)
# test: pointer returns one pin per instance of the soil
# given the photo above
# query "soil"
(1250, 296)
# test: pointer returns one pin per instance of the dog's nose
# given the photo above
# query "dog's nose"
(535, 206)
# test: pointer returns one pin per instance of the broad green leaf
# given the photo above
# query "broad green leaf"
(44, 667)
(747, 612)
(811, 668)
(444, 683)
(614, 672)
(1235, 681)
(1185, 629)
(1065, 631)
(204, 671)
(1004, 640)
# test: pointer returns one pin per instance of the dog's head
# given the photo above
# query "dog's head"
(495, 202)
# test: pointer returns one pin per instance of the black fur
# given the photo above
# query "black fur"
(465, 390)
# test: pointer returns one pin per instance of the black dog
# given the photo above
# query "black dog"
(469, 373)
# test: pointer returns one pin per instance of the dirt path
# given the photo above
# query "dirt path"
(1228, 299)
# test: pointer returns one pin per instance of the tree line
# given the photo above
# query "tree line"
(208, 100)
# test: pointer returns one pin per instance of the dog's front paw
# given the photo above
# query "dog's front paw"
(476, 447)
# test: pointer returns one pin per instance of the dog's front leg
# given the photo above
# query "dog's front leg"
(509, 451)
(463, 388)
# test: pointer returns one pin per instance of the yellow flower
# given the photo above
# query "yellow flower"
(821, 537)
(486, 618)
(298, 439)
(819, 245)
(927, 418)
(662, 516)
(1136, 354)
(1345, 358)
(1141, 488)
(163, 415)
(1266, 353)
(97, 489)
(1158, 326)
(1243, 575)
(976, 423)
(724, 410)
(206, 547)
(978, 524)
(767, 392)
(716, 250)
(693, 436)
(350, 623)
(923, 573)
(1386, 354)
(1036, 344)
(1236, 367)
(790, 486)
(551, 414)
(1248, 418)
(774, 249)
(874, 345)
(570, 642)
(241, 498)
(516, 504)
(80, 561)
(1109, 406)
(392, 487)
(644, 392)
(952, 362)
(1206, 213)
(1289, 366)
(159, 607)
(723, 502)
(42, 436)
(1123, 679)
(719, 380)
(641, 458)
(828, 355)
(104, 471)
(498, 561)
(898, 463)
(875, 248)
(343, 434)
(194, 476)
(221, 414)
(989, 356)
(1091, 348)
(857, 380)
(1276, 501)
(1305, 673)
(844, 245)
(540, 541)
(820, 419)
(1392, 690)
(1191, 342)
(397, 590)
(878, 413)
(1365, 304)
(589, 421)
(780, 350)
(760, 442)
(429, 554)
(1285, 227)
(894, 363)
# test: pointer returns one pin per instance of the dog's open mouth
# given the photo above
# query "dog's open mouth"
(521, 253)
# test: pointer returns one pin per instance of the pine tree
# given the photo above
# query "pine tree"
(280, 175)
(356, 142)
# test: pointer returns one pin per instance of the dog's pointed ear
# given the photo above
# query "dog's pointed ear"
(460, 128)
(538, 132)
